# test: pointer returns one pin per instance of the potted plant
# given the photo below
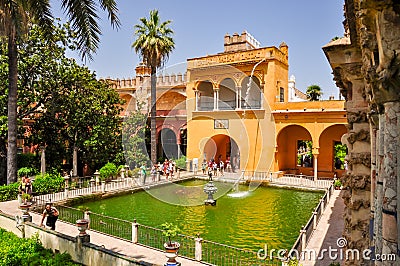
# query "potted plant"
(337, 184)
(170, 231)
(26, 198)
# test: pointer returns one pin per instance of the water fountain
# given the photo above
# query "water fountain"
(210, 189)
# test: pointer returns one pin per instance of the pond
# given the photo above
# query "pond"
(245, 219)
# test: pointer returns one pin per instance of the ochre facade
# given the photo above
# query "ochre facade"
(235, 106)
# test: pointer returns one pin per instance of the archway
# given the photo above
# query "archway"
(222, 147)
(227, 95)
(250, 96)
(294, 149)
(330, 137)
(206, 93)
(167, 145)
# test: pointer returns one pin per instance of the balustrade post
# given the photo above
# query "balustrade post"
(86, 216)
(303, 238)
(158, 177)
(103, 186)
(66, 193)
(315, 219)
(135, 229)
(322, 205)
(198, 248)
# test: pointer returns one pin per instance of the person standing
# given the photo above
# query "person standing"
(52, 215)
(143, 172)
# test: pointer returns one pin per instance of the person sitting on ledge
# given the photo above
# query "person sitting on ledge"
(52, 215)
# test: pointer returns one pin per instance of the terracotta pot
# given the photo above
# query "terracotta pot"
(173, 248)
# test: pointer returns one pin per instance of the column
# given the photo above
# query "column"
(391, 178)
(42, 160)
(216, 98)
(196, 95)
(262, 95)
(237, 97)
(315, 167)
(75, 161)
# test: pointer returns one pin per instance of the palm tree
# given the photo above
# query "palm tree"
(154, 44)
(313, 93)
(15, 16)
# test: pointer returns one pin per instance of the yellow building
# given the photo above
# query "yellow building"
(238, 109)
(240, 106)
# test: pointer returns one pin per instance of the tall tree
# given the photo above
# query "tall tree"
(15, 16)
(314, 93)
(154, 43)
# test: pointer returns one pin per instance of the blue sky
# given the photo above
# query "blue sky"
(200, 27)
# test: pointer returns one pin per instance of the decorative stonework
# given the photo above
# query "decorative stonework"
(361, 135)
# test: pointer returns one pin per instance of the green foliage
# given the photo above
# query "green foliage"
(170, 230)
(26, 171)
(337, 183)
(334, 264)
(108, 171)
(27, 252)
(133, 138)
(181, 162)
(340, 151)
(47, 183)
(313, 93)
(293, 262)
(29, 160)
(9, 192)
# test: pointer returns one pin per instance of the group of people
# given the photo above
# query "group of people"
(167, 169)
(216, 167)
(49, 212)
(26, 185)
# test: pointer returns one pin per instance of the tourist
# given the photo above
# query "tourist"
(221, 167)
(143, 173)
(153, 173)
(26, 185)
(204, 166)
(52, 215)
(215, 168)
(228, 166)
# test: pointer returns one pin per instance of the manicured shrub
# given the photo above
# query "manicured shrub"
(27, 171)
(108, 171)
(9, 192)
(28, 251)
(47, 183)
(181, 162)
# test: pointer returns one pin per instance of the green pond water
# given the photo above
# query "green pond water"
(242, 219)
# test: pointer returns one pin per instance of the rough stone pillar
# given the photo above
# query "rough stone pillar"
(390, 178)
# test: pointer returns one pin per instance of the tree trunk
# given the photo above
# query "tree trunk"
(12, 107)
(153, 128)
(3, 162)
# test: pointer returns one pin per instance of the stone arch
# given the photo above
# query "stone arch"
(287, 141)
(250, 97)
(171, 100)
(130, 104)
(167, 143)
(206, 95)
(222, 147)
(227, 94)
(327, 139)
